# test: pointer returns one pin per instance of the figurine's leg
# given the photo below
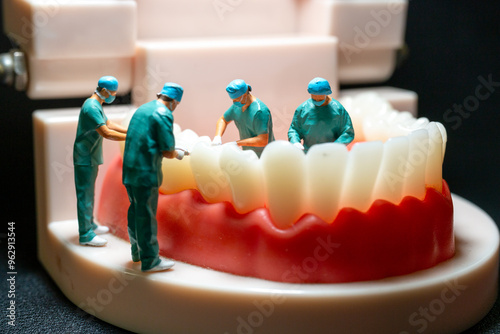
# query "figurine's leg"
(146, 226)
(85, 177)
(132, 225)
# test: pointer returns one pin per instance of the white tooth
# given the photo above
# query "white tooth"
(363, 163)
(419, 123)
(186, 140)
(210, 180)
(325, 166)
(444, 135)
(414, 167)
(390, 181)
(244, 171)
(375, 128)
(177, 176)
(284, 178)
(434, 169)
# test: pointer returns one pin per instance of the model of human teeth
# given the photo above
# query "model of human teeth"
(382, 198)
(395, 156)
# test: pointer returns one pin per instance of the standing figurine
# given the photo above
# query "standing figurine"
(93, 125)
(251, 116)
(320, 119)
(150, 137)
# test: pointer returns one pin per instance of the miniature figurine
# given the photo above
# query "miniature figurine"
(93, 125)
(150, 138)
(251, 116)
(320, 119)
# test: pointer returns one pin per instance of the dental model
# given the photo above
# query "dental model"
(380, 209)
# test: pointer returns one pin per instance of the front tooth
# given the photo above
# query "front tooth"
(325, 166)
(363, 163)
(444, 135)
(210, 180)
(414, 168)
(284, 170)
(244, 171)
(390, 181)
(434, 169)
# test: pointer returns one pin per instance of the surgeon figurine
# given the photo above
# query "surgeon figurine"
(251, 116)
(149, 139)
(93, 125)
(320, 119)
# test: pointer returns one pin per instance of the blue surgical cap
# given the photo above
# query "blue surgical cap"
(108, 82)
(319, 86)
(237, 88)
(173, 91)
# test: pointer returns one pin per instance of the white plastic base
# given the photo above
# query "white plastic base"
(448, 298)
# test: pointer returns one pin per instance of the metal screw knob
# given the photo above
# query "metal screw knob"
(13, 70)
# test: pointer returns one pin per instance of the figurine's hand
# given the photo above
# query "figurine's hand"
(299, 146)
(217, 141)
(180, 154)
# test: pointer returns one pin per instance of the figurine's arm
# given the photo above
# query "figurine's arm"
(220, 128)
(110, 134)
(258, 141)
(347, 134)
(116, 127)
(170, 154)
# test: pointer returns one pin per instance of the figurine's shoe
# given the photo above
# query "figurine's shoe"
(96, 241)
(101, 230)
(163, 265)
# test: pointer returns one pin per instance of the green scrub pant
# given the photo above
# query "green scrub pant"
(85, 177)
(142, 225)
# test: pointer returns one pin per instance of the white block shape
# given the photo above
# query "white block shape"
(244, 172)
(363, 164)
(278, 69)
(73, 29)
(369, 34)
(166, 19)
(55, 132)
(325, 170)
(360, 24)
(284, 176)
(366, 66)
(76, 77)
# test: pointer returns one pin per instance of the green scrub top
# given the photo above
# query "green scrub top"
(315, 125)
(87, 150)
(255, 120)
(149, 133)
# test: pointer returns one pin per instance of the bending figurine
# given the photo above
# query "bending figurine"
(150, 138)
(251, 116)
(93, 125)
(320, 119)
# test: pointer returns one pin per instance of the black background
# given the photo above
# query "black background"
(451, 44)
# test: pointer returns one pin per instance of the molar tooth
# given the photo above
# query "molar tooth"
(244, 172)
(210, 180)
(284, 178)
(390, 180)
(325, 166)
(177, 176)
(363, 164)
(414, 168)
(434, 168)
